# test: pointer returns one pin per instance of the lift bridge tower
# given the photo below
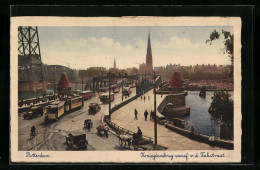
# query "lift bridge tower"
(29, 53)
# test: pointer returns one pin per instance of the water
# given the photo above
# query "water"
(199, 117)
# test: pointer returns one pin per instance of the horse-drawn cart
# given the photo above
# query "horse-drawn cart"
(137, 141)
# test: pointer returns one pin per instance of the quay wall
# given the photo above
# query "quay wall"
(200, 137)
(161, 119)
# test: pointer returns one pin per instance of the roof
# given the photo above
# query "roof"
(64, 81)
(57, 102)
(106, 94)
(176, 80)
(87, 91)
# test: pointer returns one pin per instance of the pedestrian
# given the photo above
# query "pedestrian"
(151, 115)
(33, 129)
(141, 98)
(106, 130)
(144, 98)
(211, 140)
(136, 114)
(145, 114)
(139, 132)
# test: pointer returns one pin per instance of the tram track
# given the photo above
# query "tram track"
(49, 133)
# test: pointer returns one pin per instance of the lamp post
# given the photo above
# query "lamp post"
(122, 86)
(82, 80)
(109, 96)
(155, 122)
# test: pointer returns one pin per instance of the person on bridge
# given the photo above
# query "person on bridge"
(136, 114)
(106, 130)
(145, 114)
(151, 115)
(33, 129)
(139, 132)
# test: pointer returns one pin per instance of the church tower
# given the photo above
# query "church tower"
(114, 63)
(149, 59)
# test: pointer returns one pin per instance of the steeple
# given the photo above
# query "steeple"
(149, 49)
(114, 63)
(149, 58)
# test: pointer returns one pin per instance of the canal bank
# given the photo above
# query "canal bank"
(124, 117)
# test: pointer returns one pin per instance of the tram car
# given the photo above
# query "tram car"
(104, 98)
(87, 94)
(55, 110)
(131, 85)
(127, 91)
(73, 102)
(116, 89)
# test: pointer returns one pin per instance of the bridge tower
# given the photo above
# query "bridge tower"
(28, 46)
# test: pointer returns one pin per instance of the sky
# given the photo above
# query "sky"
(84, 47)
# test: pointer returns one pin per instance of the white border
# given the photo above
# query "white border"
(124, 156)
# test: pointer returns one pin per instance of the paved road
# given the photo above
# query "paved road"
(124, 117)
(52, 136)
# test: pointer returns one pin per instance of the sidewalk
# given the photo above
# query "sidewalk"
(124, 117)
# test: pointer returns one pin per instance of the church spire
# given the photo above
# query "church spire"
(149, 49)
(149, 58)
(114, 63)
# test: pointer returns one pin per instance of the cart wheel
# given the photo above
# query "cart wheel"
(81, 144)
(129, 144)
(121, 142)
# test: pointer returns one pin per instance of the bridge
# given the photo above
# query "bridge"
(144, 82)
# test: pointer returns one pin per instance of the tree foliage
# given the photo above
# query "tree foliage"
(221, 107)
(228, 45)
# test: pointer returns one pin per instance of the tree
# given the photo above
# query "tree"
(221, 107)
(228, 45)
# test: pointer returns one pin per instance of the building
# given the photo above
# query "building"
(148, 67)
(114, 63)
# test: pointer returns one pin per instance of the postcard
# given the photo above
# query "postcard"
(125, 90)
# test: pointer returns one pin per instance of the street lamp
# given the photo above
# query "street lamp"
(121, 74)
(82, 80)
(155, 122)
(109, 95)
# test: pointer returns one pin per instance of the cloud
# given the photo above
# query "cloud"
(83, 53)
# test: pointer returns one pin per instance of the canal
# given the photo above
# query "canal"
(199, 117)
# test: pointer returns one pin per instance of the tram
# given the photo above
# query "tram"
(73, 102)
(104, 98)
(87, 94)
(116, 89)
(127, 91)
(55, 110)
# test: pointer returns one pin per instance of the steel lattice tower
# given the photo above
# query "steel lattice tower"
(28, 41)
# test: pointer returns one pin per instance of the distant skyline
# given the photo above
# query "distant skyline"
(84, 47)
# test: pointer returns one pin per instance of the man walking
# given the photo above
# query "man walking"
(106, 130)
(33, 129)
(145, 114)
(136, 114)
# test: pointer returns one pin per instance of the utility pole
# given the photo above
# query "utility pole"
(122, 86)
(82, 80)
(109, 95)
(155, 121)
